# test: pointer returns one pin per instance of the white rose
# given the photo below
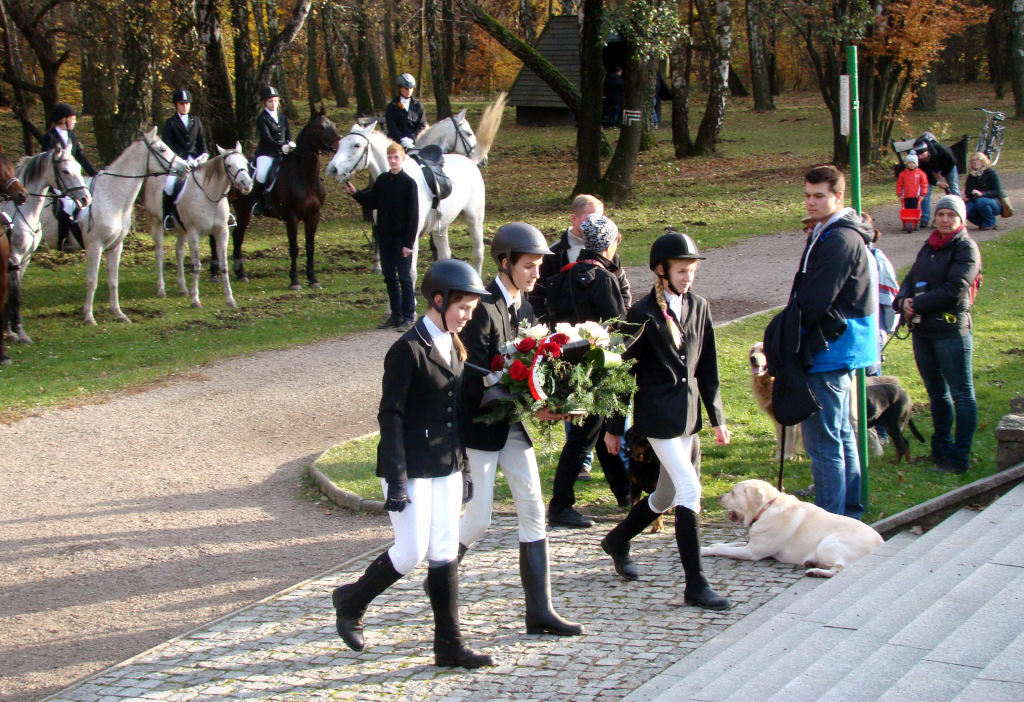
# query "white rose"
(537, 331)
(569, 330)
(595, 332)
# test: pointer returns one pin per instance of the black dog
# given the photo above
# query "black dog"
(645, 467)
(889, 407)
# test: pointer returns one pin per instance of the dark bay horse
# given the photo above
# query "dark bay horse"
(298, 196)
(13, 190)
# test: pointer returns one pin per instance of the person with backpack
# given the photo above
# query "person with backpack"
(935, 299)
(587, 291)
(676, 369)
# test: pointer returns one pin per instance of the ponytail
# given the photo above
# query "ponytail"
(460, 348)
(673, 327)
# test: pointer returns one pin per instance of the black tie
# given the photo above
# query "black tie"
(513, 312)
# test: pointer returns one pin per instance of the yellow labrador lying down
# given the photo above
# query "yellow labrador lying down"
(782, 527)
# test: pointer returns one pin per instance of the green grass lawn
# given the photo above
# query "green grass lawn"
(752, 188)
(998, 372)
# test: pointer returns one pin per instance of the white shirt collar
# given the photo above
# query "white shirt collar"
(405, 101)
(509, 299)
(184, 118)
(441, 339)
(272, 113)
(63, 133)
(675, 303)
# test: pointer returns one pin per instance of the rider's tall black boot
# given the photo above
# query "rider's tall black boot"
(697, 591)
(616, 543)
(351, 601)
(257, 198)
(449, 647)
(170, 221)
(462, 554)
(534, 570)
(63, 229)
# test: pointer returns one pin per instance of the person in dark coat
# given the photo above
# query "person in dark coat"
(676, 368)
(614, 89)
(395, 197)
(404, 115)
(422, 464)
(275, 141)
(936, 160)
(183, 133)
(984, 192)
(517, 249)
(936, 297)
(62, 134)
(597, 297)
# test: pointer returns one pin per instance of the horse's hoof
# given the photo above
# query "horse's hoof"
(232, 303)
(215, 278)
(5, 361)
(23, 338)
(11, 337)
(90, 321)
(315, 286)
(376, 270)
(244, 279)
(161, 293)
(196, 304)
(295, 287)
(123, 318)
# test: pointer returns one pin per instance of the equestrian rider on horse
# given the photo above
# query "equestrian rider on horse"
(275, 141)
(183, 134)
(62, 135)
(404, 115)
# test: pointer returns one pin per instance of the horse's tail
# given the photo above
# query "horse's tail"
(488, 127)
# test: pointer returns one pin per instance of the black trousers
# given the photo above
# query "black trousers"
(582, 439)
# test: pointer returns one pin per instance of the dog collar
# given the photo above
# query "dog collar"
(762, 511)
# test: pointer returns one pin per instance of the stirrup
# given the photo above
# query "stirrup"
(170, 223)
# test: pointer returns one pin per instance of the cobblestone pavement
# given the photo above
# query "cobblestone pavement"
(286, 648)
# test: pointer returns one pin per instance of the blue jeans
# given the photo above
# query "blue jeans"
(983, 211)
(397, 270)
(832, 446)
(953, 180)
(945, 368)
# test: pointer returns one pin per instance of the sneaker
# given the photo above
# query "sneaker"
(584, 475)
(405, 326)
(806, 492)
(933, 459)
(391, 321)
(947, 467)
(569, 517)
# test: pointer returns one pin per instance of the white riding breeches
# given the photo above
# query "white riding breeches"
(678, 484)
(518, 462)
(169, 182)
(68, 205)
(263, 164)
(428, 527)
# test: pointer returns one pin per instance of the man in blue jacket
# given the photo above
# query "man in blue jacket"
(836, 290)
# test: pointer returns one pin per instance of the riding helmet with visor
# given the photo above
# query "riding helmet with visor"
(448, 276)
(406, 81)
(181, 96)
(268, 92)
(62, 110)
(517, 237)
(672, 246)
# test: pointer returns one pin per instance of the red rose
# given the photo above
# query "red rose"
(526, 344)
(560, 339)
(518, 372)
(498, 362)
(551, 349)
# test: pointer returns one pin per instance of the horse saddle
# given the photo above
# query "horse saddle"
(275, 166)
(431, 161)
(179, 187)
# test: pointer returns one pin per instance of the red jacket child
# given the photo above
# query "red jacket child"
(912, 183)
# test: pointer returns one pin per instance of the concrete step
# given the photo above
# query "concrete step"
(1007, 666)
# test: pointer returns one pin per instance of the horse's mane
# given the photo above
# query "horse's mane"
(211, 171)
(382, 139)
(31, 168)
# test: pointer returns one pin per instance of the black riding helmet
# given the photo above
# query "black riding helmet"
(181, 96)
(448, 276)
(62, 110)
(517, 237)
(268, 92)
(672, 246)
(406, 81)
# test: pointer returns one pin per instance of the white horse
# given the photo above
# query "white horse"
(204, 210)
(364, 147)
(42, 175)
(455, 136)
(109, 217)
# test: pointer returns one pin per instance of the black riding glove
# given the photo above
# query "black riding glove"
(467, 487)
(398, 497)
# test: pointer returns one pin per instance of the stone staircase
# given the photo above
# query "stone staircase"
(931, 618)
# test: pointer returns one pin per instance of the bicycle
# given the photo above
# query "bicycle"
(990, 141)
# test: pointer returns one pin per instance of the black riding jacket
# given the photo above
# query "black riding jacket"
(52, 140)
(186, 143)
(405, 123)
(396, 199)
(273, 135)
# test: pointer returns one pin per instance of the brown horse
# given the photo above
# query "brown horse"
(298, 196)
(14, 191)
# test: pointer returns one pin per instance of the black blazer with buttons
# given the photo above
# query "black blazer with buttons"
(186, 143)
(672, 381)
(51, 140)
(273, 135)
(418, 415)
(483, 336)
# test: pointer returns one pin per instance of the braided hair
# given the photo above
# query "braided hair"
(673, 326)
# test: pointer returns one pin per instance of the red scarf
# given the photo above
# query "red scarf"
(937, 241)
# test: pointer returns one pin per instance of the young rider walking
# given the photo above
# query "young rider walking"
(518, 249)
(422, 464)
(676, 368)
(275, 141)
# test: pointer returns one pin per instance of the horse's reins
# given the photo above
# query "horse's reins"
(365, 158)
(461, 138)
(150, 151)
(7, 187)
(231, 178)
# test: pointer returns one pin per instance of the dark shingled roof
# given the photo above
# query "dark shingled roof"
(559, 43)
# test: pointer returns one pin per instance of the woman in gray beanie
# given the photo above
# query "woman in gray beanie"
(935, 299)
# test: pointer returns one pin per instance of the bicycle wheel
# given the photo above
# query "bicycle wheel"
(996, 146)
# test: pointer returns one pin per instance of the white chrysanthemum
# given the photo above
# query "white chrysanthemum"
(537, 331)
(595, 332)
(569, 330)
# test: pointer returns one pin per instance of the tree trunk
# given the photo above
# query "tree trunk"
(422, 50)
(389, 41)
(718, 29)
(617, 183)
(772, 56)
(312, 67)
(527, 21)
(448, 43)
(369, 48)
(680, 76)
(42, 43)
(759, 79)
(437, 77)
(218, 104)
(360, 84)
(927, 98)
(589, 106)
(135, 85)
(997, 48)
(246, 86)
(330, 58)
(1017, 56)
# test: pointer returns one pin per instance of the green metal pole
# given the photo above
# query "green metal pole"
(855, 202)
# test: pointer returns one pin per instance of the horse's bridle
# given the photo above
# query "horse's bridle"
(150, 153)
(6, 195)
(365, 158)
(461, 138)
(58, 178)
(231, 177)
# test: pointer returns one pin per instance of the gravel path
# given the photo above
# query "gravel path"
(130, 522)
